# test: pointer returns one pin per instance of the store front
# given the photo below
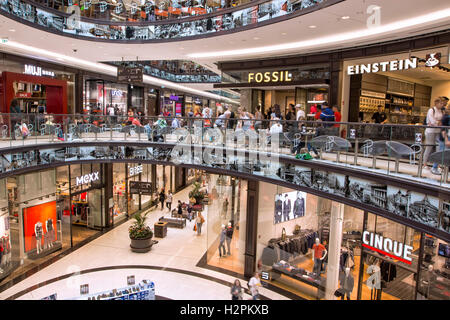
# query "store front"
(307, 85)
(365, 256)
(38, 87)
(404, 85)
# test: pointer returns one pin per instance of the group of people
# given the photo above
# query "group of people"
(237, 291)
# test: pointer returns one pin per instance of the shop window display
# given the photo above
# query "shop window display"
(226, 203)
(40, 228)
(5, 244)
(434, 276)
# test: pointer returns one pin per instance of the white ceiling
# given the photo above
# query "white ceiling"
(328, 22)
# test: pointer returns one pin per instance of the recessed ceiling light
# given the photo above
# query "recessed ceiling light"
(255, 38)
(12, 30)
(312, 27)
(345, 17)
(283, 33)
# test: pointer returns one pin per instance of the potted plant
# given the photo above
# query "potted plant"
(140, 234)
(196, 193)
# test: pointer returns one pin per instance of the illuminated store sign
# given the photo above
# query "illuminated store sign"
(90, 177)
(387, 246)
(37, 71)
(136, 170)
(274, 76)
(116, 93)
(433, 60)
(393, 65)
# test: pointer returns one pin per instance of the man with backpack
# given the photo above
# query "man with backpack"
(433, 119)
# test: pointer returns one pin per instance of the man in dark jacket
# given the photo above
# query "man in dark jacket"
(299, 206)
(286, 208)
(278, 209)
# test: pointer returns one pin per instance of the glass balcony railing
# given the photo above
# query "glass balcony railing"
(379, 166)
(75, 22)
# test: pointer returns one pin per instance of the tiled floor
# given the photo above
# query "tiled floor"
(180, 249)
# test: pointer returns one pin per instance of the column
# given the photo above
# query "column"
(251, 228)
(109, 185)
(334, 246)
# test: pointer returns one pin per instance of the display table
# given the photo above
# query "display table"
(160, 229)
(318, 283)
(145, 290)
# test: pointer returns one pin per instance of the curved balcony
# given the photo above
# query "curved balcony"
(243, 17)
(374, 167)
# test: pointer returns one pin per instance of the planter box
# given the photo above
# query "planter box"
(141, 245)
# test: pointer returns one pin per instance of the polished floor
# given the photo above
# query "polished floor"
(172, 261)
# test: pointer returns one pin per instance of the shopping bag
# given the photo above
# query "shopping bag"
(195, 227)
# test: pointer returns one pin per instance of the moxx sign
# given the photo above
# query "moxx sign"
(387, 246)
(214, 146)
(87, 178)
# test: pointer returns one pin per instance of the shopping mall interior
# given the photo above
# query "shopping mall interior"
(299, 148)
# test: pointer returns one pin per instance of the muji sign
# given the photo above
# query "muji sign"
(387, 246)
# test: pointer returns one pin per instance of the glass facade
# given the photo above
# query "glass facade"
(321, 249)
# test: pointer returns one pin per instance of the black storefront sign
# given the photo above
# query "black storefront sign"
(139, 187)
(130, 75)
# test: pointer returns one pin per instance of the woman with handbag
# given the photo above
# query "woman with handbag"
(199, 221)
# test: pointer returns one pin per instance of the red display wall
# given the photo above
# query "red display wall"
(56, 91)
(31, 216)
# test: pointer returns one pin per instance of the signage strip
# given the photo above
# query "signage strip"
(385, 253)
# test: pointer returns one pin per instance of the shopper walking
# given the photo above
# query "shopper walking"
(236, 290)
(162, 198)
(443, 132)
(199, 222)
(14, 110)
(169, 201)
(253, 285)
(223, 235)
(434, 118)
(180, 209)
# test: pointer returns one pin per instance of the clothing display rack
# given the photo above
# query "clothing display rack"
(288, 246)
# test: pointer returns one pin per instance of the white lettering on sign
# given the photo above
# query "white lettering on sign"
(136, 170)
(275, 76)
(37, 71)
(88, 178)
(384, 66)
(387, 246)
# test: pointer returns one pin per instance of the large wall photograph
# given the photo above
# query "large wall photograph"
(289, 205)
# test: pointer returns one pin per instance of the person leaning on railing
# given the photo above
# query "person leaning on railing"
(433, 119)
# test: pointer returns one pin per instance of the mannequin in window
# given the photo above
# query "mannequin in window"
(319, 253)
(50, 232)
(428, 278)
(347, 283)
(38, 231)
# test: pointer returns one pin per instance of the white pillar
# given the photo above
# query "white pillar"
(334, 246)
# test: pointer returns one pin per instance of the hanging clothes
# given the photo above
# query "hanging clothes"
(388, 271)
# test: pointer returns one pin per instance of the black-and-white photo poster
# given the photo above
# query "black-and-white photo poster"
(289, 205)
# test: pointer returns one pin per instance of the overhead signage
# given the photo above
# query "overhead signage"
(387, 246)
(269, 76)
(433, 59)
(130, 75)
(393, 65)
(139, 187)
(37, 71)
(116, 93)
(373, 94)
(135, 170)
(87, 178)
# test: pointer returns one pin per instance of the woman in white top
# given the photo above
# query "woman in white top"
(169, 201)
(253, 284)
(434, 118)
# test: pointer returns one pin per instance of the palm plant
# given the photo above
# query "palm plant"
(196, 193)
(139, 228)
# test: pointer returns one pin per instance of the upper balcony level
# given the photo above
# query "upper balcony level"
(372, 167)
(154, 21)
